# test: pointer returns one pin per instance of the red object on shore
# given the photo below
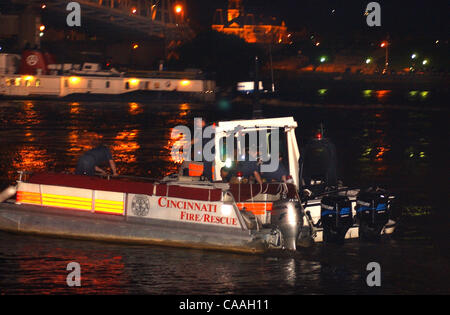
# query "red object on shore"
(35, 62)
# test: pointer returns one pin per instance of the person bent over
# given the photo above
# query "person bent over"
(90, 161)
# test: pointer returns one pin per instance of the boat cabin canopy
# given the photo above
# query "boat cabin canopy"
(272, 136)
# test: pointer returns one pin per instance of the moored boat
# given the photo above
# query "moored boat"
(39, 77)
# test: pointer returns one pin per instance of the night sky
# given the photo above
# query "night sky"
(418, 17)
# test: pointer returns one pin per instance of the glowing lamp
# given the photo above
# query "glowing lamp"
(383, 44)
(135, 46)
(240, 174)
(42, 28)
(134, 82)
(226, 209)
(133, 10)
(319, 136)
(178, 8)
(75, 80)
(185, 82)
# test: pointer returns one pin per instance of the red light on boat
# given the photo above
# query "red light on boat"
(319, 136)
(239, 174)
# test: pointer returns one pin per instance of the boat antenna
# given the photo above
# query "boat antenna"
(257, 110)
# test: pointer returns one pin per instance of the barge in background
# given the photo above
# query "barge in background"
(38, 77)
(187, 210)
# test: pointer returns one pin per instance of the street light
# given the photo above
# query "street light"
(425, 62)
(323, 59)
(368, 60)
(414, 56)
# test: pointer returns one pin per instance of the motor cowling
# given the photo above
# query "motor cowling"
(287, 215)
(372, 212)
(336, 216)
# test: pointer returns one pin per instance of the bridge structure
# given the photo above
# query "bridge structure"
(156, 18)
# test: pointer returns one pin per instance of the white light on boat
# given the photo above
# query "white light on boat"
(75, 80)
(292, 215)
(185, 82)
(228, 163)
(134, 82)
(226, 209)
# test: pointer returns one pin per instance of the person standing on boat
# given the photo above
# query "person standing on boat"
(279, 175)
(90, 161)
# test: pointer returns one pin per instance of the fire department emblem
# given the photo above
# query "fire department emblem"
(32, 60)
(140, 205)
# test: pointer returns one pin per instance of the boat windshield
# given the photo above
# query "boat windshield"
(267, 146)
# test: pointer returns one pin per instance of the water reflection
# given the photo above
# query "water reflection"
(367, 93)
(74, 108)
(289, 270)
(46, 272)
(414, 93)
(125, 146)
(374, 145)
(134, 108)
(382, 94)
(176, 139)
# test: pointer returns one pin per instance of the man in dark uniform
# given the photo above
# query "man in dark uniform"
(279, 175)
(250, 167)
(89, 162)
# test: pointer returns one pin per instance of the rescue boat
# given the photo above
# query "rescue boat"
(187, 210)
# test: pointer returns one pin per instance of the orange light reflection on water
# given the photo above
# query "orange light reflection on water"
(74, 108)
(381, 94)
(125, 146)
(100, 272)
(29, 158)
(134, 108)
(176, 139)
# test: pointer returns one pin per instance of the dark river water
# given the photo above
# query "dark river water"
(398, 139)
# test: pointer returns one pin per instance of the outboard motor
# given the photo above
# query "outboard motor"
(336, 217)
(372, 213)
(288, 216)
